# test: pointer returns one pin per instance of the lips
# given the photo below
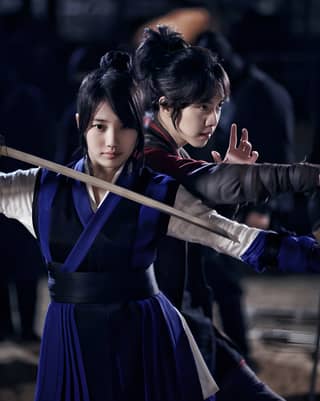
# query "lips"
(205, 134)
(110, 155)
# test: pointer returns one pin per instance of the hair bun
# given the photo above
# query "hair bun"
(118, 60)
(169, 40)
(156, 49)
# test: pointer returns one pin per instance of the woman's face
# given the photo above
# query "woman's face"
(196, 123)
(109, 143)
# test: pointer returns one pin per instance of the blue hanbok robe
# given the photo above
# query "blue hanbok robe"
(131, 350)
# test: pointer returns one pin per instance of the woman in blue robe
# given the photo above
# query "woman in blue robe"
(110, 334)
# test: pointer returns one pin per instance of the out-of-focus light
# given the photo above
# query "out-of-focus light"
(10, 6)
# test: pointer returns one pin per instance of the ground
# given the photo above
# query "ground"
(283, 314)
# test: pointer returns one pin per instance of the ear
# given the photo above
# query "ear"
(163, 104)
(77, 119)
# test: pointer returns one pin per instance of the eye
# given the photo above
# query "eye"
(99, 127)
(204, 107)
(219, 106)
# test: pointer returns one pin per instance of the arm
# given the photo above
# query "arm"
(16, 196)
(233, 183)
(185, 231)
(261, 249)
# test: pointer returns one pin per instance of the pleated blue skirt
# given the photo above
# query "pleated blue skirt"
(141, 350)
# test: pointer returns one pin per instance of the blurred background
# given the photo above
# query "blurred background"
(271, 51)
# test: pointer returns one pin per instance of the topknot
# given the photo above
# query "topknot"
(117, 60)
(168, 40)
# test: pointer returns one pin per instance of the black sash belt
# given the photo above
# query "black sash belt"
(101, 288)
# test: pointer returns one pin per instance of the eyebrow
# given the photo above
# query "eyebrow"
(217, 99)
(100, 120)
(104, 121)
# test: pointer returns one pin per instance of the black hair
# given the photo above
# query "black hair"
(166, 65)
(111, 82)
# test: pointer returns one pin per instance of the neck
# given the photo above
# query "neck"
(102, 173)
(166, 123)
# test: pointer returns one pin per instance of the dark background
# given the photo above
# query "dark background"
(37, 38)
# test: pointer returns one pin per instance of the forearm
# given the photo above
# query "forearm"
(231, 183)
(262, 250)
(182, 230)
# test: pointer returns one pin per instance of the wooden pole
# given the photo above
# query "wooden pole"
(116, 189)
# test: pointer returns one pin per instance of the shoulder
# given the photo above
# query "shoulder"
(46, 176)
(159, 186)
(157, 177)
(21, 179)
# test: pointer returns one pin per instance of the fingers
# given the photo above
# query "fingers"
(254, 156)
(216, 157)
(241, 153)
(245, 145)
(233, 137)
(244, 135)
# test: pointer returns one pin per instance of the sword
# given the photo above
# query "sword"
(116, 189)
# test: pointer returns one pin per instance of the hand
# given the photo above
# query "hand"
(242, 154)
(286, 253)
(299, 255)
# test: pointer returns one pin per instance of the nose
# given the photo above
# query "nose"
(111, 138)
(212, 119)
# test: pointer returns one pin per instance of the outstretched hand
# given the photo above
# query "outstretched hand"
(241, 154)
(284, 252)
(299, 255)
